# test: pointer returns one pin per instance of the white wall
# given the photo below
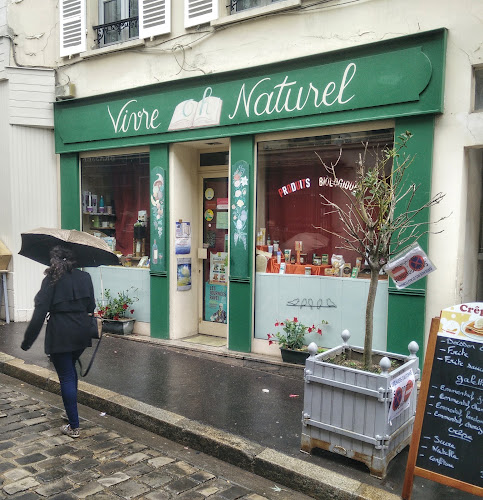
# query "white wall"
(28, 166)
(34, 195)
(32, 24)
(183, 205)
(31, 94)
(28, 199)
(474, 164)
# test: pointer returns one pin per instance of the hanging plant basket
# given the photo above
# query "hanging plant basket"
(122, 326)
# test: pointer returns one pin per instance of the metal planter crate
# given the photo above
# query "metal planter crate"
(346, 410)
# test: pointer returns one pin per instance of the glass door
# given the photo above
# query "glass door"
(214, 252)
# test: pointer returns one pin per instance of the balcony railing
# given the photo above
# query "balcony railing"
(239, 5)
(118, 26)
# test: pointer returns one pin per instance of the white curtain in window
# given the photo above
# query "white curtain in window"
(72, 27)
(154, 17)
(199, 12)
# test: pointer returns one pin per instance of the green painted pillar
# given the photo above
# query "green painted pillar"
(242, 215)
(407, 307)
(70, 200)
(159, 231)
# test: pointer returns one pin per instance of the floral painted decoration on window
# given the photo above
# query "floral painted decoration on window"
(157, 203)
(239, 205)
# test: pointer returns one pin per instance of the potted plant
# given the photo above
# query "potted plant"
(376, 228)
(292, 341)
(114, 311)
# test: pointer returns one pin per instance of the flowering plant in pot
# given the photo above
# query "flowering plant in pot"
(114, 310)
(293, 338)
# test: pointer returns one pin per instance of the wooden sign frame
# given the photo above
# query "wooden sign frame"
(411, 468)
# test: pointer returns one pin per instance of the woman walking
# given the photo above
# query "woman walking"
(67, 295)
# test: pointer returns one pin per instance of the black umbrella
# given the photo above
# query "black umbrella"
(89, 251)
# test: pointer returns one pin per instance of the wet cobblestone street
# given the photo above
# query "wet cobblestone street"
(111, 459)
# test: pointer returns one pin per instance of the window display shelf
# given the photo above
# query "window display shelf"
(99, 213)
(102, 229)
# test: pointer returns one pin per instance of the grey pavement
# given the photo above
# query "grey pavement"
(113, 459)
(242, 409)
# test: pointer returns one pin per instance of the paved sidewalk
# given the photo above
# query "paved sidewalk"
(112, 459)
(229, 405)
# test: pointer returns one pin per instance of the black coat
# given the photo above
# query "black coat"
(69, 302)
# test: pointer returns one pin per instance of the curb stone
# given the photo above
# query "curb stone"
(312, 480)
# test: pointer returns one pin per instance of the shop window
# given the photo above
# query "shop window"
(240, 5)
(291, 181)
(115, 204)
(478, 72)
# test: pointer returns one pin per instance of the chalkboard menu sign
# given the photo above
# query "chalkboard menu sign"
(447, 438)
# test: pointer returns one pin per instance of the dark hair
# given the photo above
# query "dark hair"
(62, 261)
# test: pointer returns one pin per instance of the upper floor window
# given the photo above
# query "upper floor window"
(118, 21)
(239, 5)
(478, 72)
(122, 20)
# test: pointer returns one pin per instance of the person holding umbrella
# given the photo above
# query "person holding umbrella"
(67, 294)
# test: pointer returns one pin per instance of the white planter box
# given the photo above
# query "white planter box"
(346, 410)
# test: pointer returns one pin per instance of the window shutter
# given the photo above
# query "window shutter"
(154, 17)
(72, 27)
(199, 12)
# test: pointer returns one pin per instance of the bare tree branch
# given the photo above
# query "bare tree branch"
(373, 223)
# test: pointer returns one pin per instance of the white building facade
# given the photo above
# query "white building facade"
(107, 57)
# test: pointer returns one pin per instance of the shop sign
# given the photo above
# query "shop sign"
(292, 187)
(329, 182)
(313, 86)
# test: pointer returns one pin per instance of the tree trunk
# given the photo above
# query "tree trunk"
(371, 298)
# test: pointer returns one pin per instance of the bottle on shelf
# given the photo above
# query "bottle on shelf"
(101, 205)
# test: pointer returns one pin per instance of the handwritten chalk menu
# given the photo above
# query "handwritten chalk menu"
(453, 421)
(448, 430)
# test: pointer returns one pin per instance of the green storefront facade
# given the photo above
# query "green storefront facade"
(399, 80)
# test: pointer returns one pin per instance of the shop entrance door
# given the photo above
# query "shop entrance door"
(214, 253)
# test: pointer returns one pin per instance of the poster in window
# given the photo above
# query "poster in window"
(222, 220)
(215, 303)
(183, 238)
(218, 267)
(184, 274)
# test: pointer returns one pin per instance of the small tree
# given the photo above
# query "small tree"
(370, 224)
